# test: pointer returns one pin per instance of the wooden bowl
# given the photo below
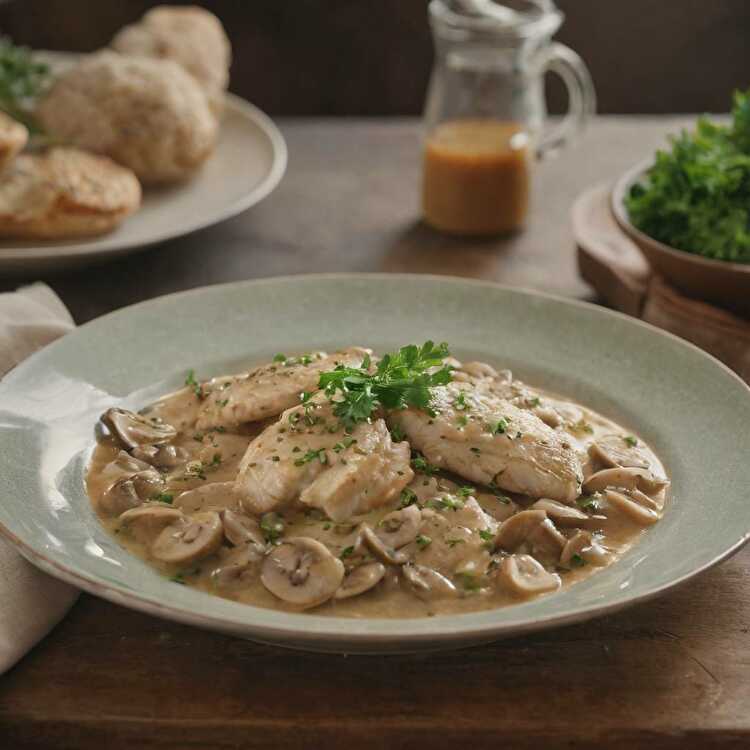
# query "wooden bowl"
(724, 283)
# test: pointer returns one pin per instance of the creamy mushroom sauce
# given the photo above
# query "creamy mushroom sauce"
(171, 498)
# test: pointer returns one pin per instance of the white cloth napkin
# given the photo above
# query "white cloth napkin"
(31, 602)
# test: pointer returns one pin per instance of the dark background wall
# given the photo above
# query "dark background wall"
(372, 57)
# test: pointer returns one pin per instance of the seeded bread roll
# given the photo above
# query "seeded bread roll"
(65, 193)
(13, 137)
(188, 35)
(148, 115)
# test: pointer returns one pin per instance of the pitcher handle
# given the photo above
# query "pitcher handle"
(581, 97)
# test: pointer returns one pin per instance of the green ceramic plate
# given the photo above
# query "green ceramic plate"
(691, 408)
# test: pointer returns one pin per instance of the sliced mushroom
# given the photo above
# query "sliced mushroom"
(400, 527)
(369, 539)
(130, 491)
(513, 532)
(427, 583)
(360, 579)
(148, 520)
(161, 456)
(630, 477)
(500, 508)
(237, 564)
(630, 507)
(302, 571)
(523, 575)
(131, 429)
(214, 496)
(586, 547)
(190, 539)
(124, 463)
(615, 450)
(241, 529)
(562, 515)
(546, 542)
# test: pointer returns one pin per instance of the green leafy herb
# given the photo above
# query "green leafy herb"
(178, 578)
(465, 491)
(397, 434)
(631, 441)
(22, 80)
(400, 380)
(346, 552)
(311, 455)
(460, 402)
(500, 427)
(446, 503)
(419, 463)
(191, 382)
(486, 535)
(696, 196)
(589, 503)
(423, 541)
(162, 497)
(576, 561)
(279, 357)
(344, 444)
(408, 497)
(272, 526)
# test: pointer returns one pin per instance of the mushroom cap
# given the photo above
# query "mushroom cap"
(400, 527)
(629, 477)
(160, 456)
(130, 491)
(189, 539)
(562, 515)
(360, 579)
(369, 539)
(546, 542)
(514, 531)
(132, 430)
(612, 450)
(236, 563)
(629, 506)
(241, 529)
(147, 520)
(525, 576)
(302, 572)
(427, 583)
(587, 548)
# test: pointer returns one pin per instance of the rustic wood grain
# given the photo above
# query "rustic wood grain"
(669, 674)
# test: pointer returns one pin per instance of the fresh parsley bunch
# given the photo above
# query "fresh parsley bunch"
(696, 196)
(22, 79)
(402, 379)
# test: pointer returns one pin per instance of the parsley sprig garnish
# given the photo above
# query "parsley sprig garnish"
(22, 78)
(400, 380)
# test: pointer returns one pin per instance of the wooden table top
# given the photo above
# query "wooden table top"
(673, 673)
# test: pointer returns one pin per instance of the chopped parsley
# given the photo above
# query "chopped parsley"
(630, 440)
(162, 497)
(397, 434)
(178, 578)
(576, 561)
(311, 455)
(192, 383)
(272, 526)
(465, 491)
(423, 541)
(346, 552)
(589, 503)
(446, 503)
(408, 497)
(486, 535)
(344, 444)
(402, 379)
(419, 463)
(500, 426)
(460, 402)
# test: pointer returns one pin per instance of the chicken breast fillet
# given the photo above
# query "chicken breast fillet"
(489, 440)
(267, 390)
(308, 457)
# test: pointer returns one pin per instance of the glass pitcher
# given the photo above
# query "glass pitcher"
(485, 112)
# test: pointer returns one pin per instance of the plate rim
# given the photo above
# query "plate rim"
(290, 627)
(79, 251)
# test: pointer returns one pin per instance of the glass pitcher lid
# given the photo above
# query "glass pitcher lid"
(513, 18)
